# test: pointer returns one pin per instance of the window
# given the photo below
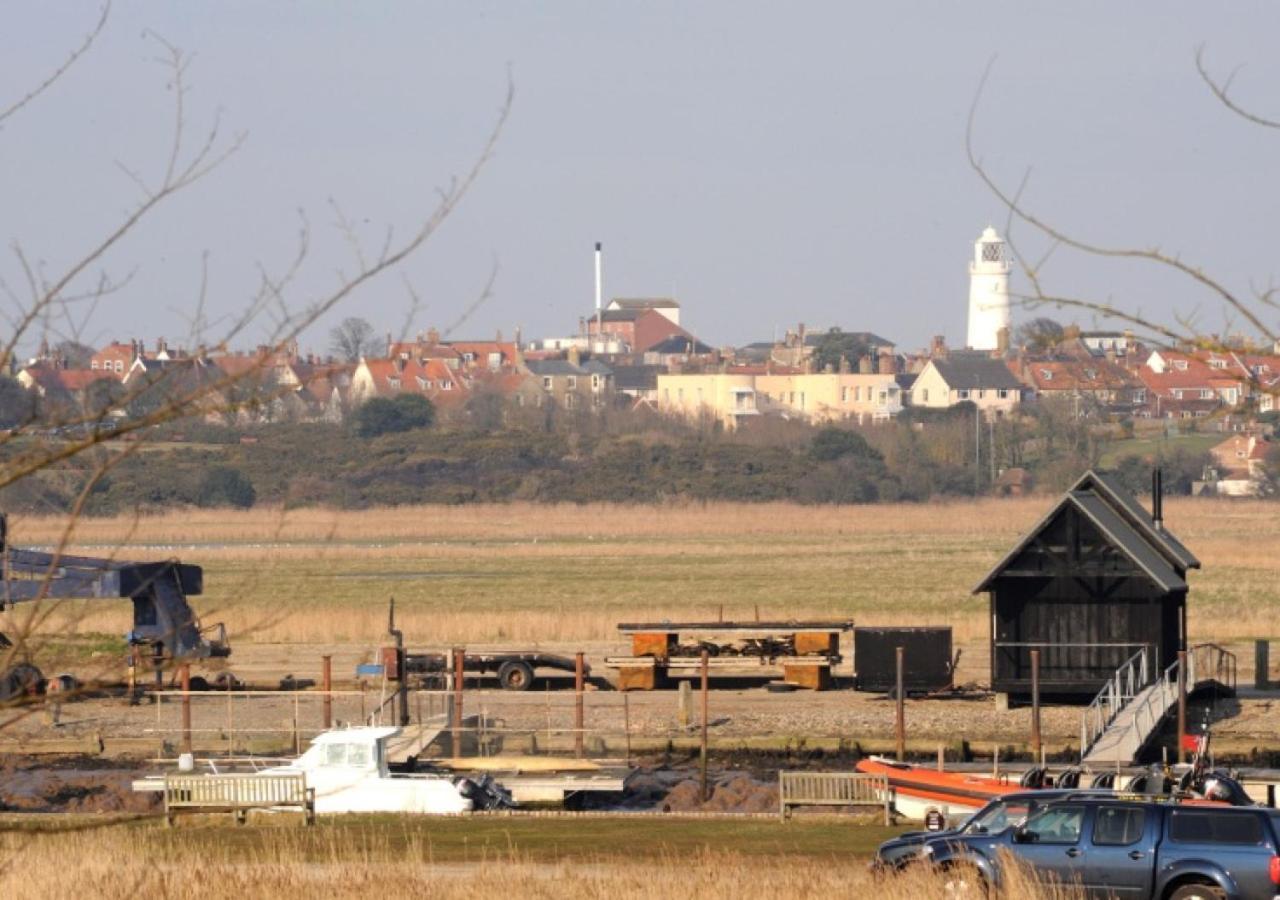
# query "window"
(1119, 826)
(963, 394)
(93, 364)
(446, 385)
(335, 754)
(884, 398)
(1205, 827)
(1003, 393)
(595, 382)
(991, 252)
(1056, 825)
(1177, 395)
(1046, 374)
(393, 383)
(572, 382)
(982, 394)
(802, 399)
(119, 366)
(546, 382)
(925, 395)
(570, 400)
(680, 395)
(358, 755)
(1180, 365)
(1206, 394)
(844, 395)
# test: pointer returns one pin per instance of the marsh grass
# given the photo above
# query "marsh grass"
(592, 858)
(525, 573)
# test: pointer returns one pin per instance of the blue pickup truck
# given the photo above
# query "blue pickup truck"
(1000, 813)
(1143, 849)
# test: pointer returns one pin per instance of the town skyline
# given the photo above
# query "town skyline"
(686, 172)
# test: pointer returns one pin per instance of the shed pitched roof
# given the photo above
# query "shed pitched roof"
(1101, 499)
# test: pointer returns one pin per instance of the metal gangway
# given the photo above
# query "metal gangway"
(1131, 707)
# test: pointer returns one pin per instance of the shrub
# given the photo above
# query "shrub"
(402, 412)
(225, 486)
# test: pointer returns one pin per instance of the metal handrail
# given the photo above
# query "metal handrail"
(1129, 679)
(1204, 662)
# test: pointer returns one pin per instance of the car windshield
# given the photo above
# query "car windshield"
(996, 817)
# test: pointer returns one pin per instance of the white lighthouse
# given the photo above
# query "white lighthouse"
(989, 312)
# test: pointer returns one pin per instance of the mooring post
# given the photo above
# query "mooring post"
(1182, 706)
(900, 696)
(459, 668)
(1261, 664)
(326, 681)
(185, 675)
(1035, 703)
(706, 666)
(626, 721)
(578, 718)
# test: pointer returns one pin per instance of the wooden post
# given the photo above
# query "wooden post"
(626, 721)
(900, 696)
(1182, 705)
(1261, 664)
(459, 668)
(326, 681)
(942, 758)
(684, 703)
(1035, 703)
(706, 667)
(578, 717)
(185, 674)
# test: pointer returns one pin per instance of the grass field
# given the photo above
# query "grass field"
(1149, 447)
(527, 573)
(482, 858)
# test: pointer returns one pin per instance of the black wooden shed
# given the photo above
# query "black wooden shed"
(1097, 580)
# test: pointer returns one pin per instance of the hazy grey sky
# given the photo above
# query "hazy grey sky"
(768, 163)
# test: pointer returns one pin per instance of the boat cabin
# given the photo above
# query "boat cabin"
(361, 749)
(1096, 581)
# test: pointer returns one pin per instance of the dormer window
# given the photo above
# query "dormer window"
(1091, 374)
(1180, 365)
(393, 383)
(446, 385)
(1046, 374)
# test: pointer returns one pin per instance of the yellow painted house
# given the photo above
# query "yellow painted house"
(976, 378)
(730, 397)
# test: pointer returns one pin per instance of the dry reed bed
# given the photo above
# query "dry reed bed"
(528, 573)
(281, 863)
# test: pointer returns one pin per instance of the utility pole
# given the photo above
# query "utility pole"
(977, 445)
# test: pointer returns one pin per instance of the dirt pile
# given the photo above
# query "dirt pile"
(33, 788)
(737, 793)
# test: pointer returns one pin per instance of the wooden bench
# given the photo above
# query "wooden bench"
(238, 794)
(833, 789)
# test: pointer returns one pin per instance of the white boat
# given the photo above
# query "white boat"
(347, 767)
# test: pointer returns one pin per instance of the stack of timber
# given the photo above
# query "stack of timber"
(805, 651)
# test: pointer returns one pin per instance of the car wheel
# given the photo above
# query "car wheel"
(963, 880)
(515, 676)
(1198, 892)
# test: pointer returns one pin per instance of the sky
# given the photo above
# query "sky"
(767, 164)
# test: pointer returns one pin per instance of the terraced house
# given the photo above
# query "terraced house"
(736, 394)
